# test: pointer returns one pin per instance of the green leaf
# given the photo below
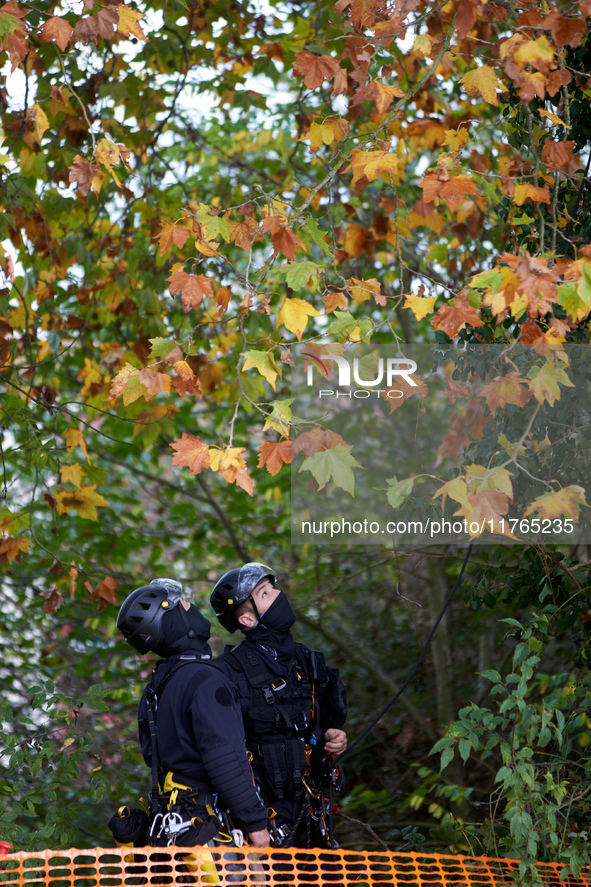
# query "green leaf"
(398, 490)
(335, 464)
(161, 347)
(347, 327)
(520, 653)
(445, 742)
(491, 675)
(446, 758)
(584, 286)
(298, 274)
(280, 417)
(465, 749)
(311, 230)
(492, 278)
(214, 227)
(8, 24)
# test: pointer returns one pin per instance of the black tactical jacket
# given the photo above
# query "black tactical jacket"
(286, 710)
(201, 738)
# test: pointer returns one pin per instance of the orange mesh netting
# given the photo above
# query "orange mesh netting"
(102, 867)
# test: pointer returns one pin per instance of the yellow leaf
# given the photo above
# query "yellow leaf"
(12, 547)
(264, 363)
(481, 478)
(554, 118)
(456, 138)
(73, 574)
(372, 164)
(75, 438)
(40, 121)
(419, 305)
(530, 192)
(83, 501)
(518, 305)
(129, 21)
(532, 52)
(72, 473)
(294, 315)
(545, 382)
(567, 501)
(107, 153)
(332, 130)
(362, 290)
(422, 46)
(484, 81)
(456, 489)
(231, 465)
(182, 368)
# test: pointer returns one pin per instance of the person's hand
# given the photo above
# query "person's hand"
(260, 838)
(335, 741)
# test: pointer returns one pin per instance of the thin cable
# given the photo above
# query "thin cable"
(417, 664)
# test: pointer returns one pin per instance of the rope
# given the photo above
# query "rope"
(417, 664)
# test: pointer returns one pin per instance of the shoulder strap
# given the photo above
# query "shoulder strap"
(256, 670)
(153, 694)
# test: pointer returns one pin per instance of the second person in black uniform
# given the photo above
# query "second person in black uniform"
(293, 705)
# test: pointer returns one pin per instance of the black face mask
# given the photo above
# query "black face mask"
(272, 632)
(279, 616)
(185, 630)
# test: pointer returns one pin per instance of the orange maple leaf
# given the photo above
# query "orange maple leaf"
(557, 154)
(451, 318)
(89, 29)
(380, 93)
(275, 455)
(154, 383)
(469, 420)
(285, 241)
(334, 300)
(243, 233)
(190, 452)
(314, 68)
(511, 388)
(419, 389)
(192, 288)
(465, 16)
(11, 548)
(170, 235)
(310, 442)
(187, 386)
(56, 28)
(452, 191)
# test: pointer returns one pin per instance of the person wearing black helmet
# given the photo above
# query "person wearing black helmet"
(293, 705)
(197, 740)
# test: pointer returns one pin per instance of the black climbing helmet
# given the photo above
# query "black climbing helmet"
(234, 588)
(140, 617)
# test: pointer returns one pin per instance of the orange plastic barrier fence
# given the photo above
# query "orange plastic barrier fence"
(101, 867)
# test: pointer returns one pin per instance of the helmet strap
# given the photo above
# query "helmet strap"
(190, 632)
(254, 609)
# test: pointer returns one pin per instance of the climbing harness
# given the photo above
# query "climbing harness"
(178, 814)
(285, 740)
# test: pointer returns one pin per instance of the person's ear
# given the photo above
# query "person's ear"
(247, 619)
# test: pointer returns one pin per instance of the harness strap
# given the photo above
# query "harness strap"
(153, 692)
